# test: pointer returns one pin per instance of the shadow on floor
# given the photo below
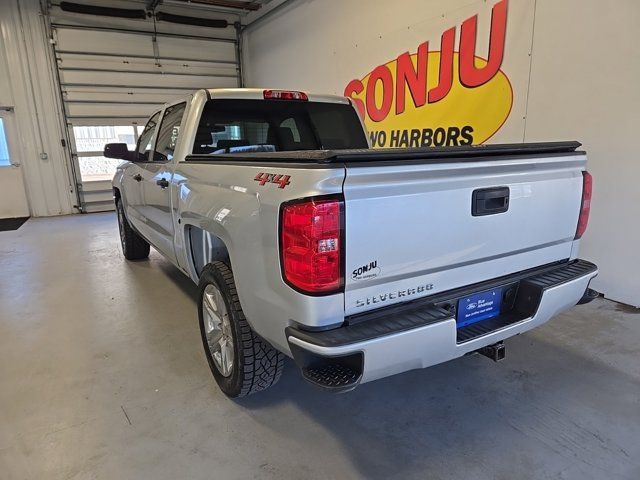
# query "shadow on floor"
(546, 408)
(183, 282)
(546, 411)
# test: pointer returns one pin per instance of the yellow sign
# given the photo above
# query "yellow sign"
(439, 98)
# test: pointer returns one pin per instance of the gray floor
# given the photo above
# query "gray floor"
(102, 376)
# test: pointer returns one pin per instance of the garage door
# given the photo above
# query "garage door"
(114, 71)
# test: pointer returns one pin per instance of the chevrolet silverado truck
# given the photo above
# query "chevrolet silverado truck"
(358, 263)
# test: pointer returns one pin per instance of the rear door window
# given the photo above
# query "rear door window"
(168, 133)
(145, 142)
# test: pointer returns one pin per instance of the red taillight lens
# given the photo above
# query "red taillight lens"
(585, 206)
(285, 95)
(311, 244)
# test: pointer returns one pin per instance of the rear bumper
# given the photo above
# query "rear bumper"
(425, 334)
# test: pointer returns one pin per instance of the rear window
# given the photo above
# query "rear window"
(240, 126)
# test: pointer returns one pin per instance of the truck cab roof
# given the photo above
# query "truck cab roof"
(259, 94)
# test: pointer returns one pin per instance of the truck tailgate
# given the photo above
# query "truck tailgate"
(411, 229)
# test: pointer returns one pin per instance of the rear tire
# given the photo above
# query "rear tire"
(241, 362)
(134, 247)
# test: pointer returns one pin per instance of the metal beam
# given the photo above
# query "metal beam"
(148, 57)
(267, 10)
(239, 54)
(232, 4)
(141, 32)
(202, 7)
(152, 4)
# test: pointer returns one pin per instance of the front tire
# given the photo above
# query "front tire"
(241, 362)
(134, 247)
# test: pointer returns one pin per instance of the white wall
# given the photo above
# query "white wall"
(28, 85)
(585, 84)
(13, 199)
(585, 72)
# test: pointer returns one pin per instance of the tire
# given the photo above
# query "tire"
(255, 364)
(134, 247)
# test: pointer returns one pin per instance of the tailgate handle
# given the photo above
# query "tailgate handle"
(489, 201)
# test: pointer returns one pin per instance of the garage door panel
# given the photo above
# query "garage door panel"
(149, 64)
(123, 44)
(103, 42)
(147, 67)
(114, 73)
(143, 79)
(123, 95)
(191, 48)
(110, 110)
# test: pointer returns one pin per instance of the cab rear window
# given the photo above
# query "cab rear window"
(240, 126)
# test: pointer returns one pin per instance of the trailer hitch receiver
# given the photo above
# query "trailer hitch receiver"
(495, 352)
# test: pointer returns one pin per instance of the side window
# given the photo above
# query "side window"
(293, 134)
(290, 123)
(168, 133)
(146, 139)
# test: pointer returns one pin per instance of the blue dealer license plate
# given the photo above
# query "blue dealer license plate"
(478, 307)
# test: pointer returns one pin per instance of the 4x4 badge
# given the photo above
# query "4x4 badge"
(281, 180)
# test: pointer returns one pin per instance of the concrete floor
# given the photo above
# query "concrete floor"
(102, 376)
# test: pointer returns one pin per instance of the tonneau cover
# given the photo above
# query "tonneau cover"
(429, 154)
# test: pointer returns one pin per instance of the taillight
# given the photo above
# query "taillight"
(585, 206)
(311, 245)
(285, 95)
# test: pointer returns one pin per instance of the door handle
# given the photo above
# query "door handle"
(489, 201)
(163, 183)
(137, 177)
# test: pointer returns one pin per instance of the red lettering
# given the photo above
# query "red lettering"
(281, 180)
(445, 75)
(263, 178)
(383, 74)
(355, 87)
(414, 78)
(470, 75)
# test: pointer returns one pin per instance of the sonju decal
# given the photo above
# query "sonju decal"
(438, 98)
(366, 272)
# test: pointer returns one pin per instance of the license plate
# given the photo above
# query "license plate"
(478, 307)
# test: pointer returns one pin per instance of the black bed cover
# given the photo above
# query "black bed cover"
(428, 154)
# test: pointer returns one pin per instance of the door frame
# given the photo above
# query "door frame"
(11, 136)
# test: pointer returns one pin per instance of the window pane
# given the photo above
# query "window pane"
(4, 148)
(146, 138)
(93, 139)
(231, 126)
(168, 133)
(97, 168)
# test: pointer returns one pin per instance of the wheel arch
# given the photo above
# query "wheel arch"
(204, 247)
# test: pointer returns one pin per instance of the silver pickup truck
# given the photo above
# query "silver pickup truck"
(357, 263)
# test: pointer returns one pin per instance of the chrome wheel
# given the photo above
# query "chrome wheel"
(217, 329)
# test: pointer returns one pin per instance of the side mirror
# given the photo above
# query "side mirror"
(117, 150)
